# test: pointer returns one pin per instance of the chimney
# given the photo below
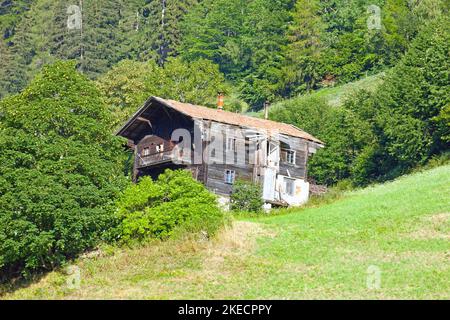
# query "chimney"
(220, 101)
(266, 110)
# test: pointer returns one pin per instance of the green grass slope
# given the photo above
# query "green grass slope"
(335, 96)
(399, 231)
(401, 228)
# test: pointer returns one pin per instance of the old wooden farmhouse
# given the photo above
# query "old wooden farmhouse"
(219, 147)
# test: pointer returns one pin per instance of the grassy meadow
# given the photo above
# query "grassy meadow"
(389, 241)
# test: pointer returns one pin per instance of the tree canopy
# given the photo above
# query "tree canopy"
(60, 170)
(383, 134)
(268, 50)
(130, 83)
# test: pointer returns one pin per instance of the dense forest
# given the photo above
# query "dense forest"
(266, 49)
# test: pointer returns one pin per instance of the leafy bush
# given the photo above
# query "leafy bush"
(156, 208)
(59, 171)
(246, 196)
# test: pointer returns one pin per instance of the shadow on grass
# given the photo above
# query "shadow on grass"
(19, 282)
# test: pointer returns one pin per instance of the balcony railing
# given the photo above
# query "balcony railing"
(156, 158)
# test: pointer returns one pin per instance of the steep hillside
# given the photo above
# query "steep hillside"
(387, 241)
(334, 96)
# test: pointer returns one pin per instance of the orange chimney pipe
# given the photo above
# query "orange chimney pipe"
(220, 101)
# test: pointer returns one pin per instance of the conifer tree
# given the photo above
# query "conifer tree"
(94, 43)
(245, 38)
(305, 48)
(12, 75)
(28, 46)
(10, 15)
(157, 28)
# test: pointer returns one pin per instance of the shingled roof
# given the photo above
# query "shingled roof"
(221, 116)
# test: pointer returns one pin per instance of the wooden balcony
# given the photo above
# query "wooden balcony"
(155, 159)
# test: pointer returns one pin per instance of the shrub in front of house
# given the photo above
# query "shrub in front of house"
(155, 209)
(246, 196)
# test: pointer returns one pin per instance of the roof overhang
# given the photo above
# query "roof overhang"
(127, 128)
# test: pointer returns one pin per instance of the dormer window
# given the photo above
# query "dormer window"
(160, 148)
(146, 152)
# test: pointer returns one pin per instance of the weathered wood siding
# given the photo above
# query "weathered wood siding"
(209, 157)
(216, 177)
(151, 142)
(219, 159)
(297, 170)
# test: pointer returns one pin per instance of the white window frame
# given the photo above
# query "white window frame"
(146, 152)
(231, 144)
(160, 148)
(293, 154)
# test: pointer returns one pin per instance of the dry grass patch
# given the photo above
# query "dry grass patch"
(433, 227)
(235, 241)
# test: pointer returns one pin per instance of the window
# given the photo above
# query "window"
(231, 144)
(252, 147)
(146, 152)
(160, 148)
(230, 176)
(289, 186)
(288, 156)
